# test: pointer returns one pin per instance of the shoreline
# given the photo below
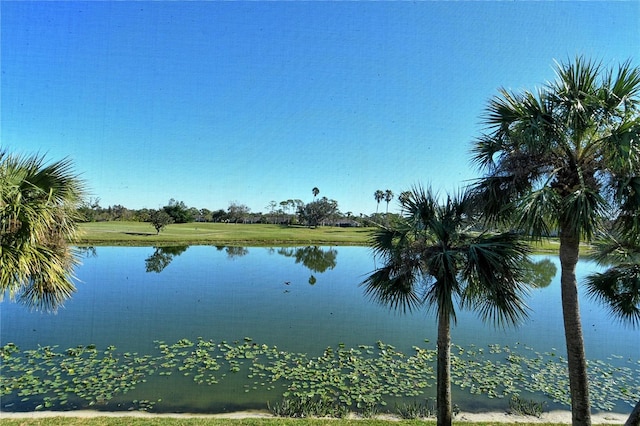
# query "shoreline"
(555, 416)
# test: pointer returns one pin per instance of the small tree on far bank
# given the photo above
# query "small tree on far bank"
(317, 211)
(179, 211)
(237, 212)
(160, 219)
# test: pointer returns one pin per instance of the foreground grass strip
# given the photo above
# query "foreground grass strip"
(165, 421)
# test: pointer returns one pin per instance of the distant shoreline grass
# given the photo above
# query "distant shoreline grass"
(143, 234)
(116, 233)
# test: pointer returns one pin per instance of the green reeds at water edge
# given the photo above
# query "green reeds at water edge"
(527, 407)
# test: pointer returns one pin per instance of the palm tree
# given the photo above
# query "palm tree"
(431, 259)
(315, 191)
(404, 197)
(379, 196)
(38, 214)
(565, 158)
(388, 196)
(618, 287)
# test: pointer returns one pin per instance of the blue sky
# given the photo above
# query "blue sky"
(214, 102)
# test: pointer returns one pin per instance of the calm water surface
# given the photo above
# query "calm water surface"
(298, 299)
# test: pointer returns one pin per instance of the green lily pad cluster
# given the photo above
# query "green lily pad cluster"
(364, 378)
(504, 371)
(359, 377)
(81, 373)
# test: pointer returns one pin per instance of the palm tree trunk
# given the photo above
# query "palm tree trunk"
(634, 417)
(443, 387)
(577, 362)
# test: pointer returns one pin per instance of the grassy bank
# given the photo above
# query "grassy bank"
(224, 234)
(142, 234)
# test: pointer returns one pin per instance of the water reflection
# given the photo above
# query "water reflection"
(236, 252)
(313, 257)
(204, 293)
(162, 257)
(45, 296)
(317, 259)
(41, 296)
(540, 274)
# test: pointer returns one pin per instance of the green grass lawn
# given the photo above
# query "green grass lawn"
(141, 233)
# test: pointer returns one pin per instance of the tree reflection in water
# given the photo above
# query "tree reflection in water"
(313, 257)
(540, 274)
(162, 257)
(235, 252)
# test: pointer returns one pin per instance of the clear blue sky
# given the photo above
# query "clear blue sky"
(213, 102)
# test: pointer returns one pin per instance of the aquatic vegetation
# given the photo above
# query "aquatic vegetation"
(299, 407)
(527, 407)
(416, 409)
(76, 377)
(362, 379)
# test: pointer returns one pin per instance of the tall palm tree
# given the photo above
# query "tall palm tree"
(315, 191)
(565, 158)
(404, 197)
(388, 196)
(38, 214)
(378, 196)
(431, 259)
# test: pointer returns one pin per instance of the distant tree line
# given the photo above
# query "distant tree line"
(321, 211)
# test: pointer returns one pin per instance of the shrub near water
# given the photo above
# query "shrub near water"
(416, 409)
(527, 407)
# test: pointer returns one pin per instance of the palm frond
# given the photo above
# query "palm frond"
(422, 207)
(618, 289)
(616, 247)
(624, 89)
(502, 111)
(495, 196)
(582, 212)
(575, 91)
(38, 211)
(619, 147)
(485, 152)
(536, 212)
(495, 274)
(627, 197)
(394, 286)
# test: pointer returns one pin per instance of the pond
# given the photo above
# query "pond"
(217, 329)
